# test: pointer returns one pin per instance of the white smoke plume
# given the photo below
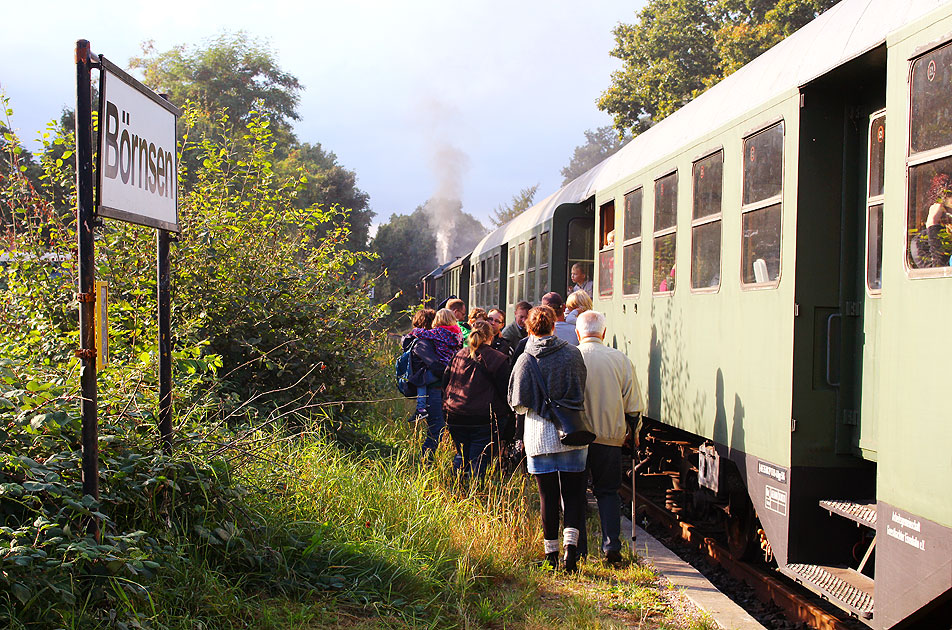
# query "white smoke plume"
(448, 164)
(443, 208)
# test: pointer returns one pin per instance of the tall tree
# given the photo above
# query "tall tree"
(232, 72)
(522, 201)
(676, 49)
(599, 144)
(238, 77)
(404, 246)
(328, 183)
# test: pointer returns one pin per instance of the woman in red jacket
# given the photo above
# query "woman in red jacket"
(475, 382)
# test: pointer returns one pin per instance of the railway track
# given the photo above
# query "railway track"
(797, 605)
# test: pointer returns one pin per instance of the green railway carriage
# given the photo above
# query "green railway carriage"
(761, 260)
(534, 253)
(449, 279)
(779, 270)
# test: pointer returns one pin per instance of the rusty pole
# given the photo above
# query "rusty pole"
(87, 273)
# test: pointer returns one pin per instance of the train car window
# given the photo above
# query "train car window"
(521, 287)
(531, 292)
(665, 234)
(706, 255)
(522, 256)
(544, 259)
(760, 246)
(931, 124)
(877, 156)
(606, 232)
(708, 182)
(930, 217)
(763, 165)
(606, 246)
(929, 201)
(633, 214)
(512, 275)
(666, 202)
(532, 253)
(606, 272)
(874, 248)
(496, 266)
(580, 246)
(631, 253)
(631, 269)
(874, 203)
(706, 223)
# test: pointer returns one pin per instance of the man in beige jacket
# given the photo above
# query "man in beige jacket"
(611, 393)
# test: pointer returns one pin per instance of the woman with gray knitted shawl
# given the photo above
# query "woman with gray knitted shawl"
(559, 470)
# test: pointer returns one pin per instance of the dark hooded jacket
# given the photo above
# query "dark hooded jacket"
(425, 365)
(562, 368)
(474, 384)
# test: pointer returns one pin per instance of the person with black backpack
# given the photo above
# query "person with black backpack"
(431, 344)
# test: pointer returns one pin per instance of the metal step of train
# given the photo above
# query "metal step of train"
(841, 585)
(862, 512)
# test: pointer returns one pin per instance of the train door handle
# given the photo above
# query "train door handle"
(829, 350)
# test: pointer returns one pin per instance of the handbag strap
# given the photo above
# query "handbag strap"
(540, 378)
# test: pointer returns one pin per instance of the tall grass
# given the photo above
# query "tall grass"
(397, 530)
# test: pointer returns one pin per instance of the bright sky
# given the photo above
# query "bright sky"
(387, 85)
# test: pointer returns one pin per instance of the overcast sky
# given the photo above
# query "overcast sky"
(388, 86)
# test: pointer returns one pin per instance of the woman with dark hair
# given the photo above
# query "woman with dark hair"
(474, 383)
(559, 469)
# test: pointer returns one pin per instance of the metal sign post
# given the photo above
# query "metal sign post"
(163, 237)
(87, 273)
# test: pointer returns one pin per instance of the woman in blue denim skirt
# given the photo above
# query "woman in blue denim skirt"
(559, 470)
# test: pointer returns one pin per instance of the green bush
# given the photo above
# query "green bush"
(269, 327)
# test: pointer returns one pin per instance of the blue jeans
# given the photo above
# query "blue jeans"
(473, 445)
(434, 423)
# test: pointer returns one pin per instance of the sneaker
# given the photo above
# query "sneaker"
(421, 415)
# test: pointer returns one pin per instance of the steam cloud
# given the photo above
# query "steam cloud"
(443, 209)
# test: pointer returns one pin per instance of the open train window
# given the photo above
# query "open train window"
(665, 233)
(580, 246)
(631, 253)
(761, 210)
(874, 203)
(929, 201)
(606, 249)
(706, 223)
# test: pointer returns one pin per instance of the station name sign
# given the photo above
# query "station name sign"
(138, 163)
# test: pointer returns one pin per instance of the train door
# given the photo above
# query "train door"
(872, 281)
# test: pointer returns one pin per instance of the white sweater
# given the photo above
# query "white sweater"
(540, 436)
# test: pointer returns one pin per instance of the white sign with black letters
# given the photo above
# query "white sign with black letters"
(137, 163)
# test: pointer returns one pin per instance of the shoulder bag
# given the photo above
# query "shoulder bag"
(571, 423)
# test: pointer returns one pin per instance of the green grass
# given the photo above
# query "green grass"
(361, 533)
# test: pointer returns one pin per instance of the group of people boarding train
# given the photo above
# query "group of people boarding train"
(493, 387)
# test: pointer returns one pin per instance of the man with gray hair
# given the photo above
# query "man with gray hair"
(611, 393)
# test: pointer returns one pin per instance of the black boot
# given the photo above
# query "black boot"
(551, 561)
(571, 559)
